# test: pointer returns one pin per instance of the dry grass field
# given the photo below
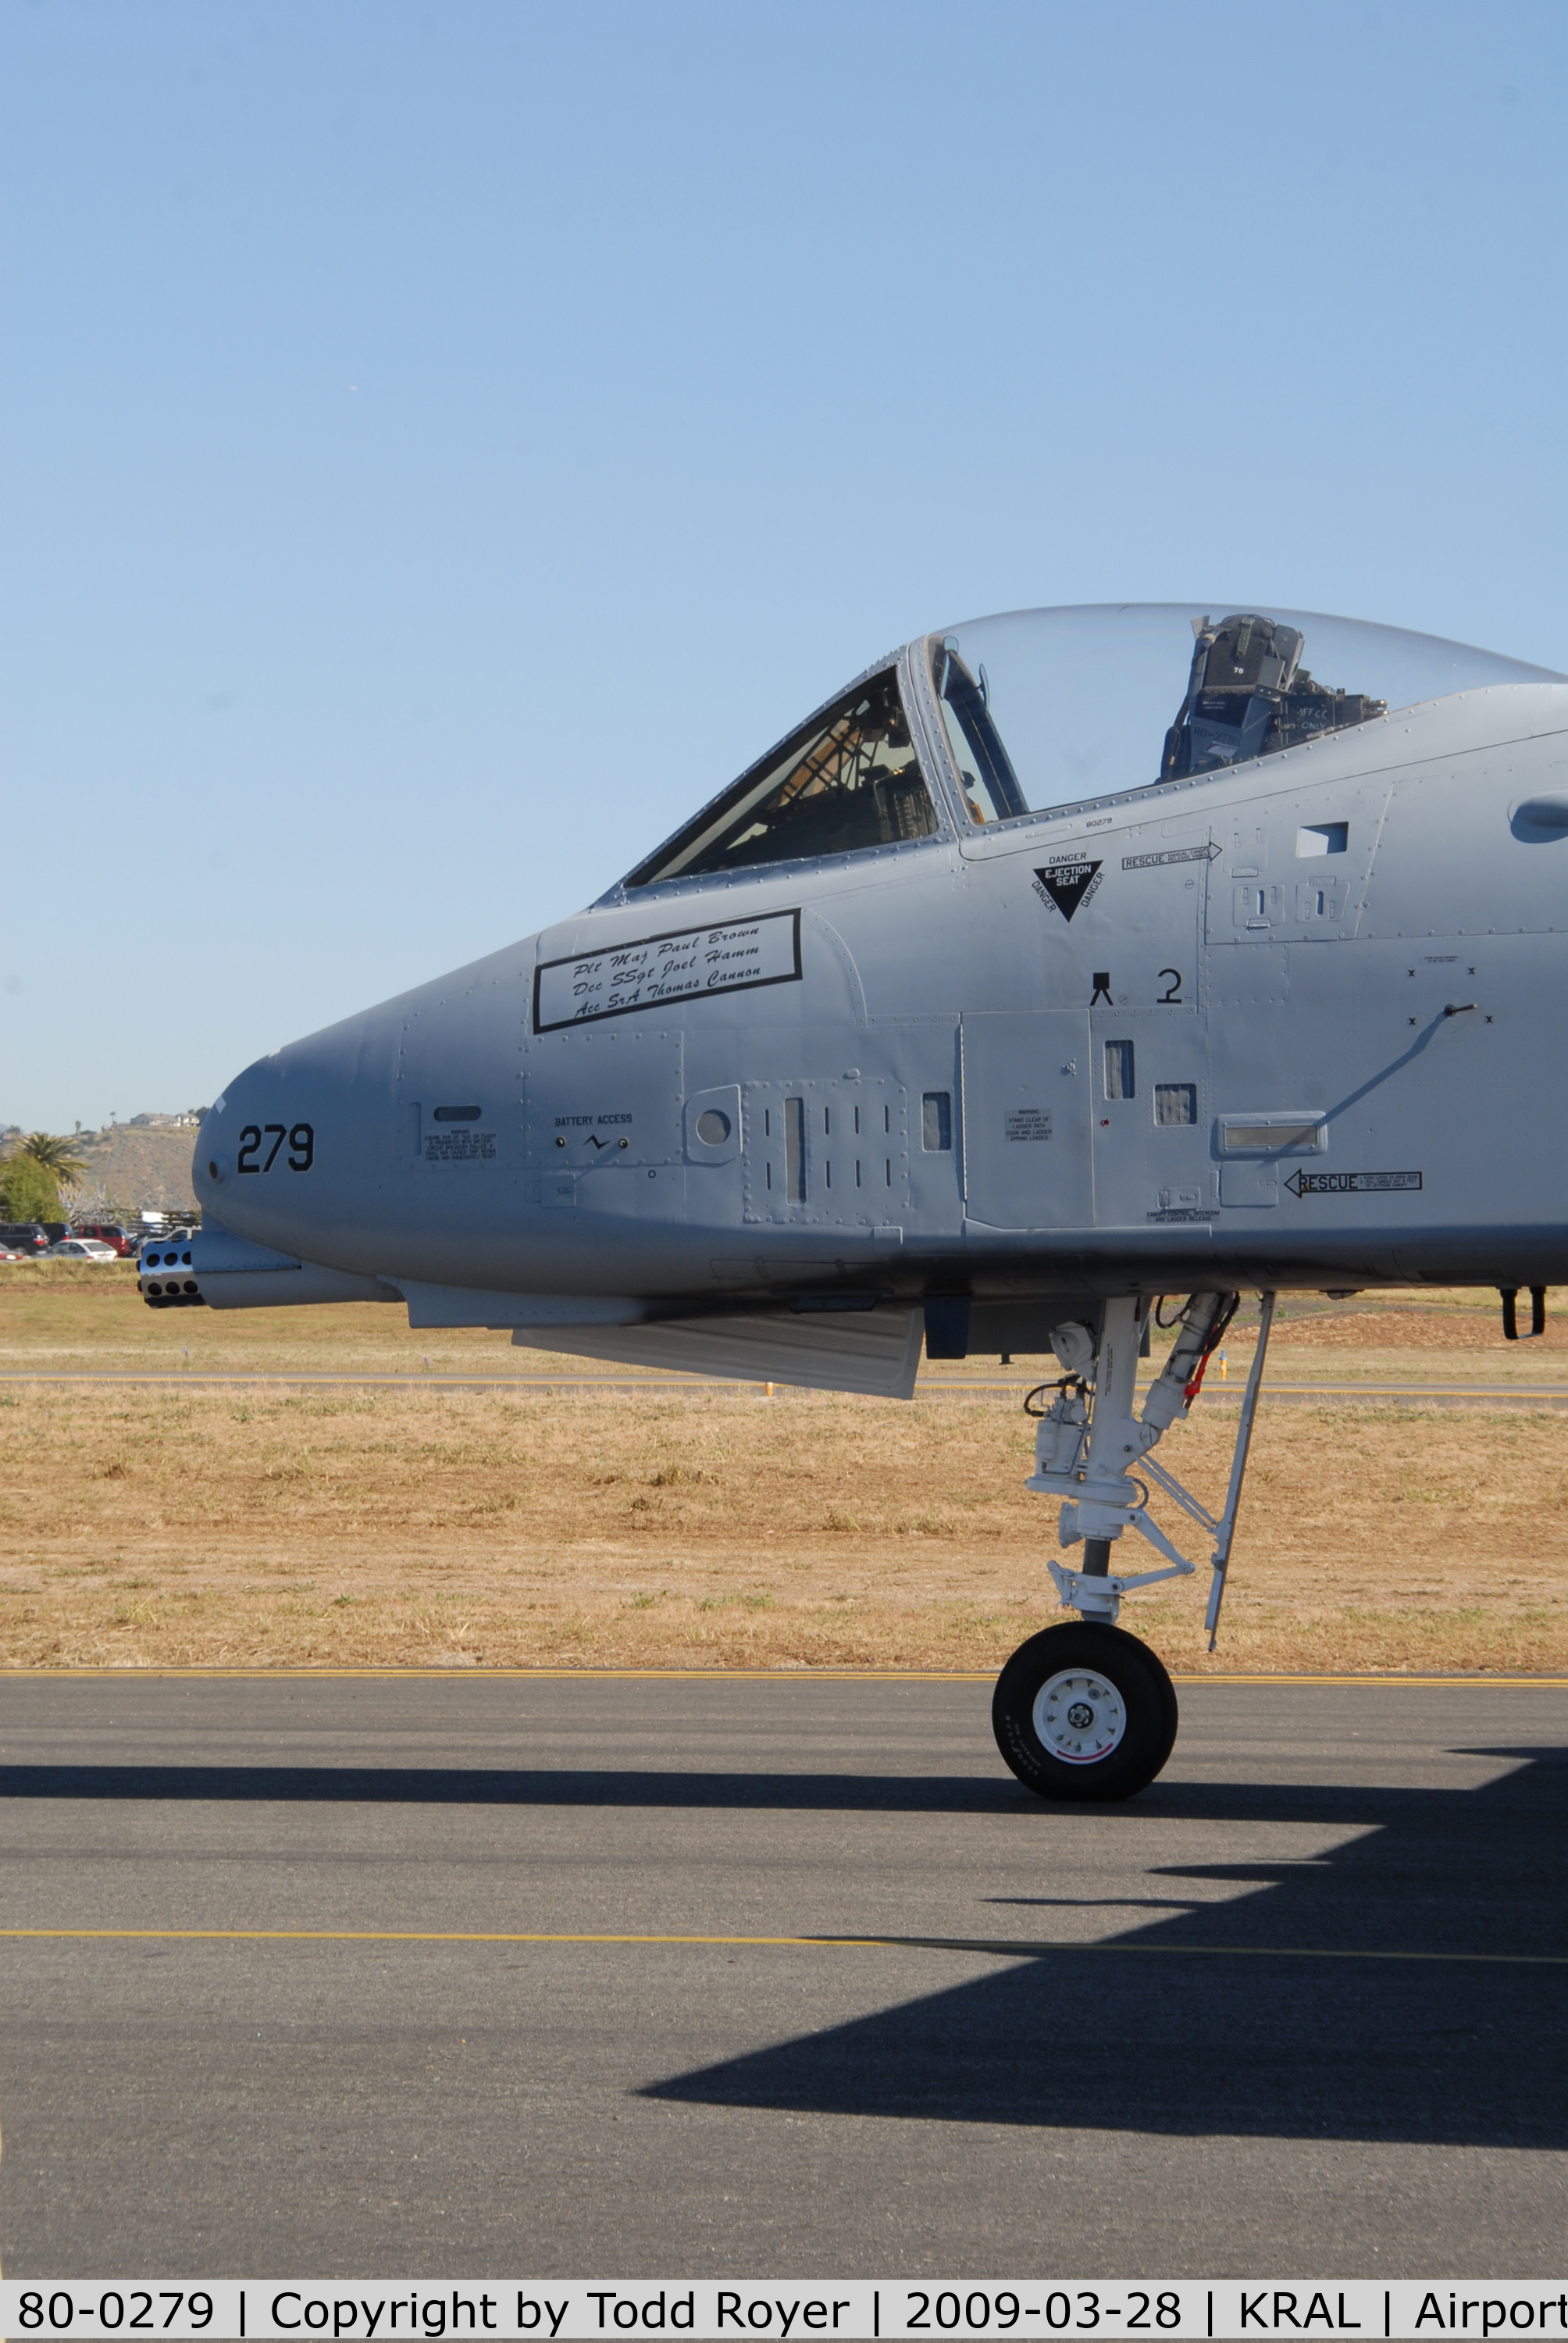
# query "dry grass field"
(253, 1523)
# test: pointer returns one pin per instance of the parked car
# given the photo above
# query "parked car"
(27, 1236)
(81, 1249)
(109, 1233)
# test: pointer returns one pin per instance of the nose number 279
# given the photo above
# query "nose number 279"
(254, 1137)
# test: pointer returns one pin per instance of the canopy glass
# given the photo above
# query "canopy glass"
(1049, 707)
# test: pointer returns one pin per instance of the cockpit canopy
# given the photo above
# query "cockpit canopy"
(1041, 710)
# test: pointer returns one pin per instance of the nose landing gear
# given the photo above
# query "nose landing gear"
(1085, 1711)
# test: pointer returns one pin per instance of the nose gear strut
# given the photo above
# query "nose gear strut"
(1088, 1439)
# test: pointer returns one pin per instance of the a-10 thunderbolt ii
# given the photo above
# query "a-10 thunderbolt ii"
(1068, 960)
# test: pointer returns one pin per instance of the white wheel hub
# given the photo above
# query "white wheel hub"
(1079, 1717)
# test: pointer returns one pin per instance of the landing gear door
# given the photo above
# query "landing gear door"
(1027, 1108)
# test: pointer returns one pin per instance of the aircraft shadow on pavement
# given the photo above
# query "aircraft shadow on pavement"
(1185, 2041)
(1179, 2038)
(465, 1785)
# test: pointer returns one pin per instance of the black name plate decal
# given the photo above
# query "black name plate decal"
(654, 972)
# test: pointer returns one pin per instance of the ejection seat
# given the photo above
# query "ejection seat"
(1249, 696)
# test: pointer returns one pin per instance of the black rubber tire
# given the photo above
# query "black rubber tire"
(1147, 1696)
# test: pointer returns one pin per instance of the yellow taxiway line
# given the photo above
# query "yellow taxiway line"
(1001, 1946)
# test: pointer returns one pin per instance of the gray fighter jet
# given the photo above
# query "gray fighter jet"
(1068, 960)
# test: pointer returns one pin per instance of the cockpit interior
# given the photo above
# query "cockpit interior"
(848, 779)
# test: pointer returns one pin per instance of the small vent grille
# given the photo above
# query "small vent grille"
(826, 1151)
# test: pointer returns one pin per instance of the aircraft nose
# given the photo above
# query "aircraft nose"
(316, 1149)
(253, 1131)
(283, 1156)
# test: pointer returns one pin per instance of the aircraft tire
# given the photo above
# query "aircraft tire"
(1084, 1711)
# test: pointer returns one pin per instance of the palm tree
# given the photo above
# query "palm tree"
(57, 1157)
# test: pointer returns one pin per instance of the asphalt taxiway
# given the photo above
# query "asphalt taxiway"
(485, 1976)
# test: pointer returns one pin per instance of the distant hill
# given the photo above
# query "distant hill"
(140, 1168)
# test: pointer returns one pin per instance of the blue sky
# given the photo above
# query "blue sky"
(443, 443)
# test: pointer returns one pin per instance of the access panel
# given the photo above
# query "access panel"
(1027, 1108)
(1152, 1120)
(830, 1152)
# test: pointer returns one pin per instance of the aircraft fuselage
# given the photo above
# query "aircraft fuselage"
(1299, 1023)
